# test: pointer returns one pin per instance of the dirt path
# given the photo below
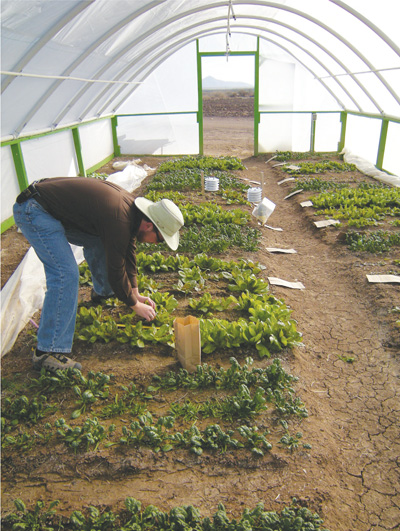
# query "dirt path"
(228, 136)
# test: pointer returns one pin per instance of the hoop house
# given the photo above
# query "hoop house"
(284, 413)
(85, 80)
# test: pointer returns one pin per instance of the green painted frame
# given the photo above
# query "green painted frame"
(200, 55)
(385, 120)
(19, 164)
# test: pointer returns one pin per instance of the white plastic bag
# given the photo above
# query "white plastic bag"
(129, 178)
(120, 165)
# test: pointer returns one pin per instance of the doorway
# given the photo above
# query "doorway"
(227, 92)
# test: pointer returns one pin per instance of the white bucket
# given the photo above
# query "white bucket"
(254, 195)
(211, 184)
(263, 211)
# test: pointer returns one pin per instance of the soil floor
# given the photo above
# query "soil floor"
(351, 474)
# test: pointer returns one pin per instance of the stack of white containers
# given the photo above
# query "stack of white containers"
(211, 184)
(254, 195)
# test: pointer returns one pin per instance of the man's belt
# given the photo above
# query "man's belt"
(29, 192)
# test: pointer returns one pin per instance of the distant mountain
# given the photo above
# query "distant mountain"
(210, 83)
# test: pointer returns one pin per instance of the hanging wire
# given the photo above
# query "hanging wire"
(228, 30)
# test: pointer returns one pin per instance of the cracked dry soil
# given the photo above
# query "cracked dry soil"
(351, 474)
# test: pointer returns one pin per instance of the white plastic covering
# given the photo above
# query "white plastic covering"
(392, 159)
(175, 134)
(50, 156)
(87, 56)
(369, 169)
(9, 182)
(96, 140)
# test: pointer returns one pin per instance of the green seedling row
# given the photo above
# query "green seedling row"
(376, 242)
(268, 327)
(309, 168)
(202, 163)
(135, 517)
(254, 389)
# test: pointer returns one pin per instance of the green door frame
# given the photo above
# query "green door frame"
(200, 55)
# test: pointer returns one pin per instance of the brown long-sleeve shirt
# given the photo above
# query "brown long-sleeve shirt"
(106, 210)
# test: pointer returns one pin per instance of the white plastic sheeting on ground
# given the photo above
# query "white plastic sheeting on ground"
(22, 296)
(24, 292)
(369, 169)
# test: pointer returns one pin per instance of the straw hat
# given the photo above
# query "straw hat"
(166, 216)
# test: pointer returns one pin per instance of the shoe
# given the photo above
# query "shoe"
(54, 361)
(98, 299)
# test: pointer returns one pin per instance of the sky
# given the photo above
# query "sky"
(238, 68)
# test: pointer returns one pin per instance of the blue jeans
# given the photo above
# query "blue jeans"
(51, 243)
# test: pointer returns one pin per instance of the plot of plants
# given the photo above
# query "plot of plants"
(258, 319)
(134, 518)
(359, 205)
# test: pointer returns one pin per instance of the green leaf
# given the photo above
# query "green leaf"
(19, 504)
(167, 447)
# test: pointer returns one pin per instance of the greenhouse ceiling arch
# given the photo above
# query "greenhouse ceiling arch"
(74, 71)
(125, 31)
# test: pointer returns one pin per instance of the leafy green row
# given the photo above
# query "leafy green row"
(272, 385)
(269, 329)
(307, 168)
(178, 180)
(363, 196)
(362, 206)
(233, 197)
(159, 262)
(157, 434)
(219, 237)
(375, 242)
(270, 326)
(272, 377)
(190, 180)
(284, 156)
(267, 337)
(146, 432)
(203, 163)
(175, 196)
(210, 213)
(230, 196)
(184, 518)
(317, 185)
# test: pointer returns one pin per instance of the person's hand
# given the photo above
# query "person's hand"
(144, 300)
(146, 311)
